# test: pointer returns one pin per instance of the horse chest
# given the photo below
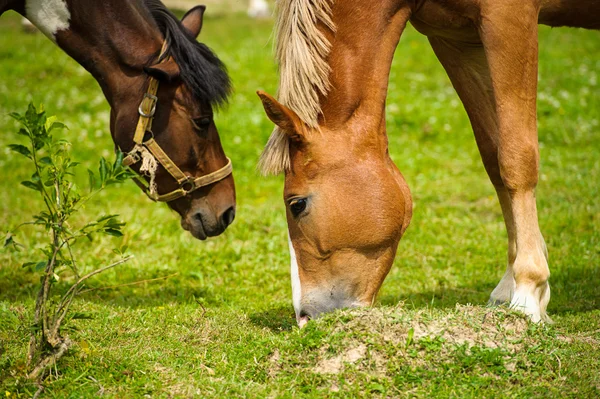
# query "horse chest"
(50, 16)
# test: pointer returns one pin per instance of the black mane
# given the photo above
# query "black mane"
(201, 71)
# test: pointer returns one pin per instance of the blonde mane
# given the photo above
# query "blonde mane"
(301, 52)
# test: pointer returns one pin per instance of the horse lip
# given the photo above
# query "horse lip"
(198, 233)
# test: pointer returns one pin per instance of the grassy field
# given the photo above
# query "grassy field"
(218, 321)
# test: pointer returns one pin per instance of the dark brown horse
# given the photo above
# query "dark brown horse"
(162, 86)
(347, 203)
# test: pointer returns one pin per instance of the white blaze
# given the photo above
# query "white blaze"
(50, 16)
(296, 292)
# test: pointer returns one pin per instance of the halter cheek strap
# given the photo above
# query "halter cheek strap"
(148, 151)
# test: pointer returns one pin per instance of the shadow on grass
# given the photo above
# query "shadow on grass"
(444, 298)
(22, 287)
(574, 290)
(279, 319)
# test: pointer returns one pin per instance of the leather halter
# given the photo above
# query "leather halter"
(144, 139)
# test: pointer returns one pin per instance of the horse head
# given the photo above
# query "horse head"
(163, 87)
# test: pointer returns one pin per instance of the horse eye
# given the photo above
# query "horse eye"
(298, 206)
(202, 123)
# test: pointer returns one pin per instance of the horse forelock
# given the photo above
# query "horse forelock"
(201, 70)
(301, 52)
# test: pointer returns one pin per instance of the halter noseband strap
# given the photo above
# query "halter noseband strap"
(145, 143)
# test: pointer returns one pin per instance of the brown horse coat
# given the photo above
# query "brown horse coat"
(347, 203)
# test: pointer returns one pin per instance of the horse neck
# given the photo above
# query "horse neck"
(360, 59)
(112, 39)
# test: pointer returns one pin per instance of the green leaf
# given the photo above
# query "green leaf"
(114, 223)
(118, 160)
(40, 266)
(16, 116)
(45, 161)
(31, 185)
(31, 114)
(58, 125)
(21, 149)
(28, 264)
(102, 170)
(49, 121)
(9, 239)
(114, 232)
(92, 180)
(52, 124)
(106, 217)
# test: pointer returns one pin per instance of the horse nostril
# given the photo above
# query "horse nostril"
(228, 216)
(303, 314)
(302, 319)
(198, 217)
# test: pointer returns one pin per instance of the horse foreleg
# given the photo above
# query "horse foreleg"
(508, 31)
(468, 68)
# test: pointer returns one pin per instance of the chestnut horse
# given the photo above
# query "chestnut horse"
(347, 203)
(162, 86)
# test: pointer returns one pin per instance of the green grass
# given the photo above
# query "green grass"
(220, 323)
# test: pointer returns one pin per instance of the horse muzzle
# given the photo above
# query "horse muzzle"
(318, 302)
(203, 223)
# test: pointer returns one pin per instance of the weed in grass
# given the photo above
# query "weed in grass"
(53, 169)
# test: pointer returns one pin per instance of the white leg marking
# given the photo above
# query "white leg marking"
(505, 288)
(50, 16)
(525, 282)
(296, 290)
(533, 302)
(532, 295)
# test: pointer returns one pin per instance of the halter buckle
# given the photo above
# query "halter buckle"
(148, 135)
(188, 186)
(154, 100)
(134, 158)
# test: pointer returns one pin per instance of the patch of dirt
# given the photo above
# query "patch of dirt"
(275, 366)
(335, 364)
(585, 338)
(403, 331)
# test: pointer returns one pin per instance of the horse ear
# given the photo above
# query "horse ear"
(287, 120)
(166, 71)
(192, 20)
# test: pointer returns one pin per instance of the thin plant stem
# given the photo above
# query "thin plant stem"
(70, 294)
